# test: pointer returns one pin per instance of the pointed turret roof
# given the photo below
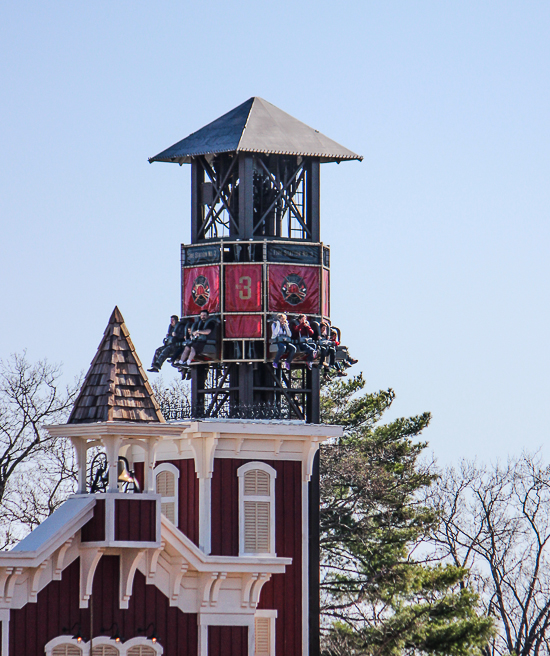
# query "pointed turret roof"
(256, 126)
(116, 386)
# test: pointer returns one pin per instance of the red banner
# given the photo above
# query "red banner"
(294, 289)
(201, 289)
(326, 293)
(243, 325)
(243, 288)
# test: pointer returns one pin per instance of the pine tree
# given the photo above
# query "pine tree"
(381, 596)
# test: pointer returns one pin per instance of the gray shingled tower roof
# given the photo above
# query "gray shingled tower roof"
(256, 126)
(116, 386)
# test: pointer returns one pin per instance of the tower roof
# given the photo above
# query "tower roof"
(116, 386)
(256, 126)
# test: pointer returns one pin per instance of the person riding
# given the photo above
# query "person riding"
(327, 347)
(168, 347)
(199, 335)
(303, 332)
(348, 361)
(282, 336)
(182, 338)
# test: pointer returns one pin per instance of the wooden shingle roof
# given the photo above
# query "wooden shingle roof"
(116, 386)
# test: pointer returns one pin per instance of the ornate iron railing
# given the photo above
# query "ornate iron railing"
(181, 409)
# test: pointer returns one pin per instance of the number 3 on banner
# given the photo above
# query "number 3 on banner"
(245, 288)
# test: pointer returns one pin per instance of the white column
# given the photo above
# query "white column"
(112, 446)
(252, 639)
(150, 461)
(205, 501)
(305, 568)
(5, 619)
(203, 639)
(81, 451)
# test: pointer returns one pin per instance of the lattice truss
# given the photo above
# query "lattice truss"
(277, 394)
(278, 197)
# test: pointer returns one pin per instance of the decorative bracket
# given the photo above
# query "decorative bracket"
(129, 559)
(34, 582)
(216, 588)
(248, 583)
(208, 582)
(204, 447)
(59, 560)
(310, 449)
(178, 568)
(89, 559)
(258, 585)
(5, 573)
(152, 559)
(10, 587)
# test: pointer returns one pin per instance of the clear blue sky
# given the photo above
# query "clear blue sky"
(440, 237)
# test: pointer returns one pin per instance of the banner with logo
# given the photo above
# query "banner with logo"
(243, 325)
(243, 288)
(201, 289)
(294, 289)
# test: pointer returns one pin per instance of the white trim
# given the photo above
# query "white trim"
(262, 466)
(305, 567)
(133, 642)
(169, 467)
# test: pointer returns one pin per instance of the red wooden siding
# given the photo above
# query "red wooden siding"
(284, 591)
(227, 641)
(188, 499)
(94, 530)
(188, 496)
(135, 519)
(32, 626)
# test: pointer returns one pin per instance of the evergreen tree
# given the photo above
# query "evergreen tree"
(380, 595)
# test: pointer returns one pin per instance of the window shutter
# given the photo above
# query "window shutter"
(105, 650)
(256, 526)
(262, 627)
(141, 650)
(256, 483)
(166, 485)
(169, 511)
(66, 650)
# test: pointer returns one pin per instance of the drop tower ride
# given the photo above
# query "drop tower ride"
(255, 250)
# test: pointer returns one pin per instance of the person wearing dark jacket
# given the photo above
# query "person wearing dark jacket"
(199, 335)
(168, 347)
(303, 334)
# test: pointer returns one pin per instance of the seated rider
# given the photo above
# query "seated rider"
(348, 361)
(326, 346)
(303, 332)
(282, 336)
(198, 341)
(168, 347)
(182, 338)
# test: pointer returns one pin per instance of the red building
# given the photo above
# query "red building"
(210, 559)
(218, 553)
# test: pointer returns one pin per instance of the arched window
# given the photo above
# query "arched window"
(141, 650)
(166, 484)
(65, 646)
(256, 509)
(66, 650)
(105, 650)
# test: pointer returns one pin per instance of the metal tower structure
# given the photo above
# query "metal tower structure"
(255, 250)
